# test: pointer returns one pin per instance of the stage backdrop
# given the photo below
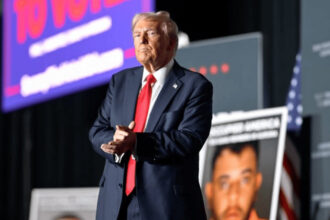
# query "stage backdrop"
(234, 66)
(316, 99)
(55, 47)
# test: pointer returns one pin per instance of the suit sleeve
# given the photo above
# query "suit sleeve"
(101, 131)
(189, 136)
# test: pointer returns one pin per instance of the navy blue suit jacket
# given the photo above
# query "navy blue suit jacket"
(167, 184)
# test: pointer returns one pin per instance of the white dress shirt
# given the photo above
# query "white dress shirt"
(160, 75)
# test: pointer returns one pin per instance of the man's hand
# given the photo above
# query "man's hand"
(123, 140)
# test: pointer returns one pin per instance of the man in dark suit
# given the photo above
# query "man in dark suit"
(150, 128)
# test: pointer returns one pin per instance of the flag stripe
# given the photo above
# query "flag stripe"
(287, 209)
(293, 156)
(283, 215)
(294, 178)
(287, 187)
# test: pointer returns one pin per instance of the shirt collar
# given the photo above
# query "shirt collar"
(160, 74)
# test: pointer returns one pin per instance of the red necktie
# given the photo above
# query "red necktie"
(141, 114)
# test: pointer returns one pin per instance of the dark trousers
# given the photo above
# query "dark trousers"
(129, 209)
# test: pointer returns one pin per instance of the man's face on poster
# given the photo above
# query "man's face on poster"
(234, 185)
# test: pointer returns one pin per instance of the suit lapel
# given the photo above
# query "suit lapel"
(171, 87)
(132, 90)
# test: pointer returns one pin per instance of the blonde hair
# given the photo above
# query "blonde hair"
(168, 26)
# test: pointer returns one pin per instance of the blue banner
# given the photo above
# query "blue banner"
(55, 47)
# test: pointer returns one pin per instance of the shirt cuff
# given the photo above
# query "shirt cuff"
(118, 158)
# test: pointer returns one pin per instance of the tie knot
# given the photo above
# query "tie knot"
(151, 79)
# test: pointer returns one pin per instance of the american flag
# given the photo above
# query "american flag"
(289, 208)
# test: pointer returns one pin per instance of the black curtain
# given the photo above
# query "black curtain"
(277, 20)
(47, 145)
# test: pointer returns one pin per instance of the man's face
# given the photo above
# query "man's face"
(234, 185)
(153, 49)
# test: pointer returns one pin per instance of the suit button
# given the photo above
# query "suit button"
(120, 185)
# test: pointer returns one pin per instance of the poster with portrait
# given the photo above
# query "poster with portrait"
(241, 164)
(64, 203)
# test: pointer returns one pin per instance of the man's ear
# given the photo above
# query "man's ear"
(172, 45)
(259, 180)
(208, 190)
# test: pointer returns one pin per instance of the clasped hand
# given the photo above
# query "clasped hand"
(123, 140)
